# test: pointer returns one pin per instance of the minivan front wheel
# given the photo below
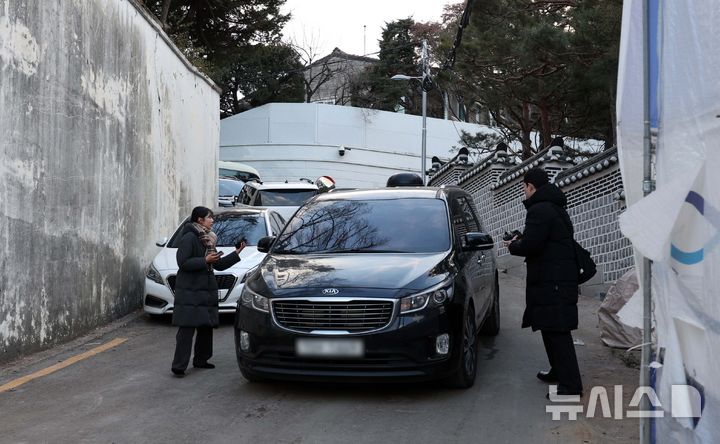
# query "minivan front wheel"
(491, 325)
(464, 376)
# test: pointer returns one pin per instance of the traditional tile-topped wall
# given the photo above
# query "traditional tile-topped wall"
(595, 200)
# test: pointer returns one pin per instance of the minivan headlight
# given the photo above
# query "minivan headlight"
(250, 299)
(434, 296)
(154, 275)
(248, 273)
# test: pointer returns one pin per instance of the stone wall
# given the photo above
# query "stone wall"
(593, 188)
(109, 137)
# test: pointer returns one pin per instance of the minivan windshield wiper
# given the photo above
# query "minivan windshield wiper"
(286, 252)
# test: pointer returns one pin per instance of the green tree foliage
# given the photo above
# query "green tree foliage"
(255, 77)
(544, 65)
(596, 41)
(230, 40)
(398, 55)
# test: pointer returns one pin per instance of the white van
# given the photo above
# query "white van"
(238, 171)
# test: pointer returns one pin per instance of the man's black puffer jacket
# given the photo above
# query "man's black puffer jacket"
(547, 245)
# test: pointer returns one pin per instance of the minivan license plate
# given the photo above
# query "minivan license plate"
(330, 348)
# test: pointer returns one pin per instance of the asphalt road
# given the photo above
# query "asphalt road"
(128, 395)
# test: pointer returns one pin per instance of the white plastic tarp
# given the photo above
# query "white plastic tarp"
(678, 226)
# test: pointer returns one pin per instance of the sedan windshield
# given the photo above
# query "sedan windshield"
(230, 228)
(373, 226)
(284, 198)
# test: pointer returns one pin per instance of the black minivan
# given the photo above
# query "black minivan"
(369, 285)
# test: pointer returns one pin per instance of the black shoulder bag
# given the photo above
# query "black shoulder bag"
(585, 264)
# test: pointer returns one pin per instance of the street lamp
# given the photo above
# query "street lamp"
(423, 78)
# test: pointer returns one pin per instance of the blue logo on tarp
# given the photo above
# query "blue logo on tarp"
(711, 215)
(690, 257)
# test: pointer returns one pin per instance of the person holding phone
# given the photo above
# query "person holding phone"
(196, 290)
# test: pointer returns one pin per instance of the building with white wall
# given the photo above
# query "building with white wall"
(358, 147)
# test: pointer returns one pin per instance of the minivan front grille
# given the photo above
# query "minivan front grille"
(353, 315)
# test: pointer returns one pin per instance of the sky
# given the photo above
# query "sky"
(327, 24)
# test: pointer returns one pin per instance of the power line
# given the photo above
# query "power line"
(464, 21)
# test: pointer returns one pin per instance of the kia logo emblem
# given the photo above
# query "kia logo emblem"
(330, 291)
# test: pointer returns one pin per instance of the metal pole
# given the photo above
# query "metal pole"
(364, 39)
(647, 189)
(424, 109)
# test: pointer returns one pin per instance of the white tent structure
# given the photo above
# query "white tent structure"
(678, 225)
(358, 147)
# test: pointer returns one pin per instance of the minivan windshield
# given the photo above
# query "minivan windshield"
(407, 225)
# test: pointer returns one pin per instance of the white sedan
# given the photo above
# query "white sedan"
(230, 226)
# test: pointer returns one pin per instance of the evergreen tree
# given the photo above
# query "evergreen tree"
(398, 55)
(261, 74)
(237, 43)
(544, 66)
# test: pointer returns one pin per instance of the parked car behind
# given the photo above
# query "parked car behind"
(229, 191)
(230, 225)
(237, 171)
(283, 197)
(374, 284)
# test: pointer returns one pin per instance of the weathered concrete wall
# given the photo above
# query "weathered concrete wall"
(108, 138)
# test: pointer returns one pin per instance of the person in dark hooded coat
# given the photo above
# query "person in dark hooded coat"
(552, 284)
(196, 290)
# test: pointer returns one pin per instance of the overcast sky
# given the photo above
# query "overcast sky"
(339, 23)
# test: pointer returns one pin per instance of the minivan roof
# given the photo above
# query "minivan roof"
(391, 193)
(282, 185)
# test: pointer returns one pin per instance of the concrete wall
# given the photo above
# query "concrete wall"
(109, 137)
(595, 200)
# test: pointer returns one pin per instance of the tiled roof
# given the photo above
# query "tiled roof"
(592, 166)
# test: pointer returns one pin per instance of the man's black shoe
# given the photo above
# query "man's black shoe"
(547, 376)
(178, 373)
(206, 365)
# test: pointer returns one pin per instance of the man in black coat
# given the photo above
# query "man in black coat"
(552, 284)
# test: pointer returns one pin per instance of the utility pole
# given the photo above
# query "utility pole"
(364, 39)
(424, 109)
(425, 85)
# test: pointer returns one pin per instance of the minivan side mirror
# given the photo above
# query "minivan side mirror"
(161, 242)
(478, 241)
(264, 244)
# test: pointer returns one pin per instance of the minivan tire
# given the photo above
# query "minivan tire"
(491, 325)
(464, 376)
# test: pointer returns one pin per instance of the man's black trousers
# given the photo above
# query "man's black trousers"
(183, 346)
(563, 361)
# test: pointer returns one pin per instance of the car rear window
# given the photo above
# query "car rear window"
(229, 187)
(408, 225)
(283, 198)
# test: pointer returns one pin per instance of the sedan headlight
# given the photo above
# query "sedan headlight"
(154, 275)
(434, 296)
(251, 299)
